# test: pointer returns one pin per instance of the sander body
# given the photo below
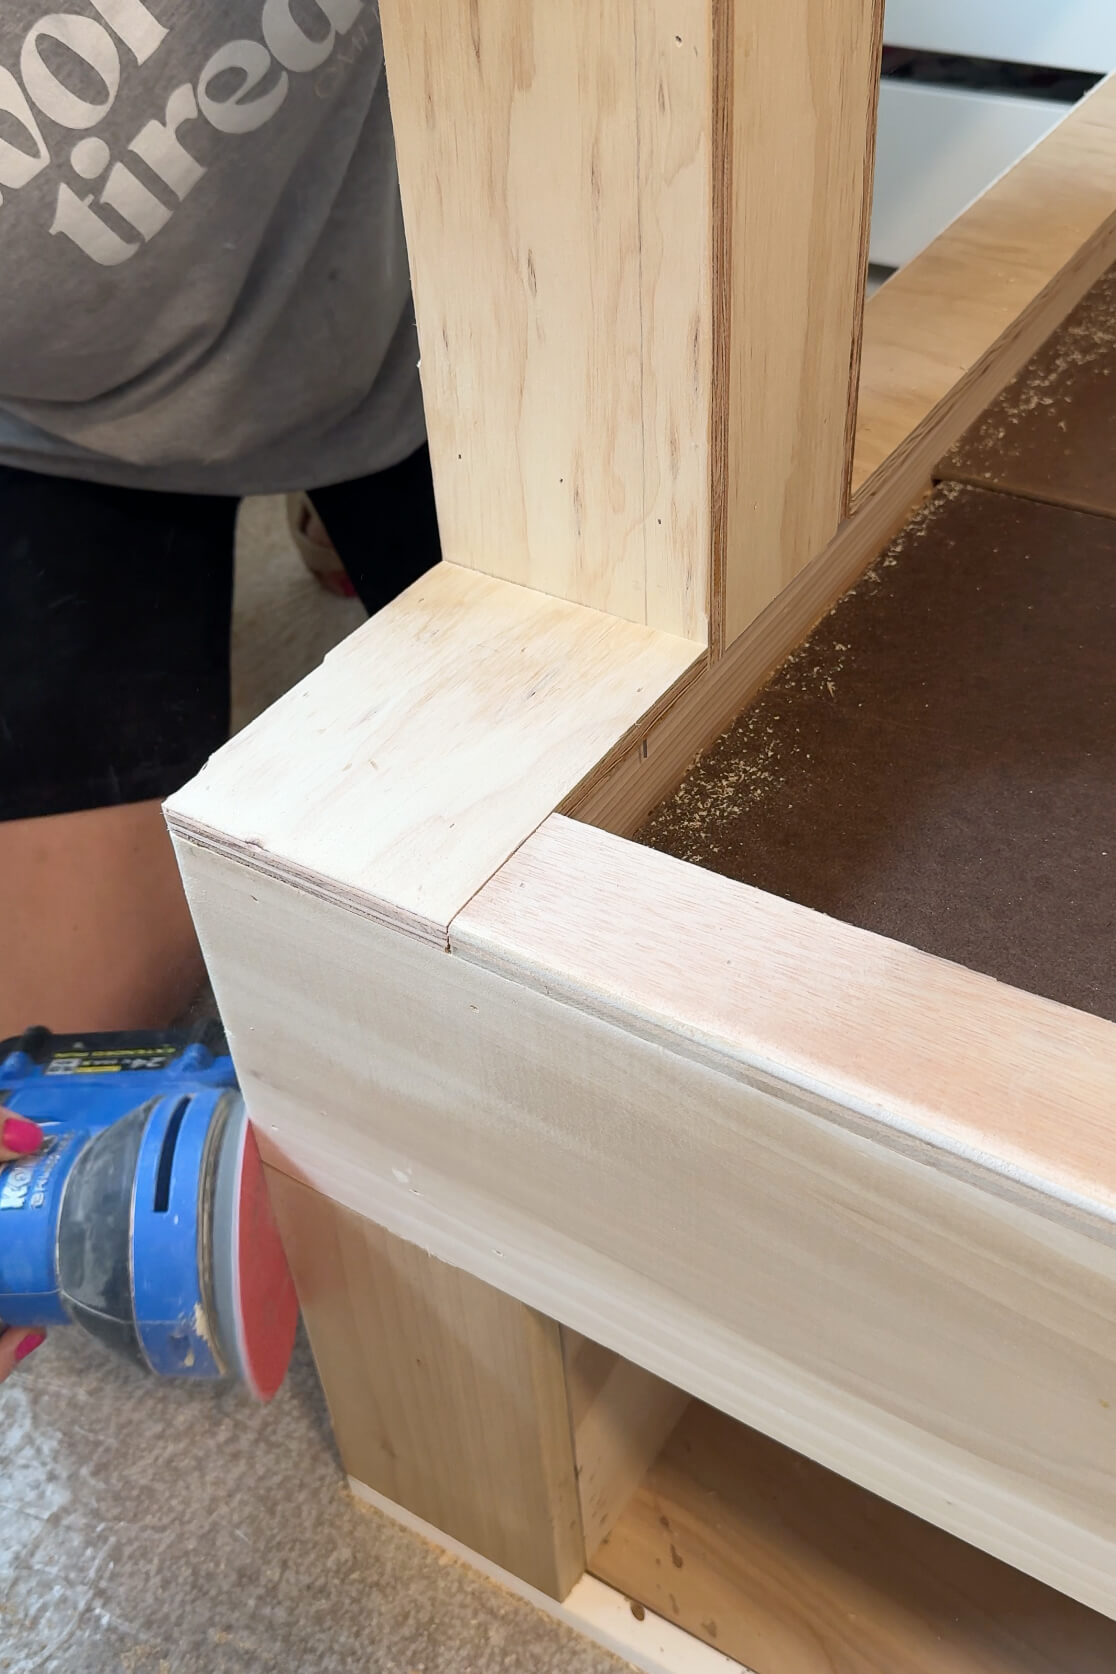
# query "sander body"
(145, 1217)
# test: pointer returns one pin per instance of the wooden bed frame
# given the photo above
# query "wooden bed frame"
(563, 1131)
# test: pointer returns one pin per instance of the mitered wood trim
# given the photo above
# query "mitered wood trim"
(401, 774)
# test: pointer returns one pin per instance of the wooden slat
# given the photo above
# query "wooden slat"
(555, 169)
(403, 772)
(1011, 1091)
(813, 1185)
(621, 1416)
(792, 1570)
(445, 1394)
(801, 111)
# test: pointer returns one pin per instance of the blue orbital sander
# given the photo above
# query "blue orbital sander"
(145, 1217)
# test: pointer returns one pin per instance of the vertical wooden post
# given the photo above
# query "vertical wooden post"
(638, 234)
(637, 240)
(446, 1396)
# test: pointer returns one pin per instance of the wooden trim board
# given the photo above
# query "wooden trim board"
(798, 91)
(429, 744)
(931, 1318)
(597, 1611)
(1011, 1092)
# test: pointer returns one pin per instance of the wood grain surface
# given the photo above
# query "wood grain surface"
(401, 773)
(645, 366)
(792, 1570)
(445, 1395)
(556, 174)
(801, 82)
(729, 1165)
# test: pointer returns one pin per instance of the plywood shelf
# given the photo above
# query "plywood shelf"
(789, 1569)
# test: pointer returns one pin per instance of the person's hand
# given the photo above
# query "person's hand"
(19, 1139)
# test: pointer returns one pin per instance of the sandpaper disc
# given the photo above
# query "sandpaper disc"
(254, 1294)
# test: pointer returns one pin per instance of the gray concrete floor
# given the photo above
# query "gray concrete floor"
(151, 1528)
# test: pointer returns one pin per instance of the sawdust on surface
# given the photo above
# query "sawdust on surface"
(1085, 342)
(748, 767)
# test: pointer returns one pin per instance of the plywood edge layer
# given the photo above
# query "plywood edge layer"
(400, 774)
(593, 1609)
(946, 333)
(1006, 1090)
(258, 861)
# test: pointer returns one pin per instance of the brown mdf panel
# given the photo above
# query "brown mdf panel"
(637, 234)
(446, 1396)
(937, 763)
(1051, 435)
(793, 1570)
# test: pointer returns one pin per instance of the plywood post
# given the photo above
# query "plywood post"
(638, 234)
(447, 1397)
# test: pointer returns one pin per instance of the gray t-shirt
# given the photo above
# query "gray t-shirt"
(203, 279)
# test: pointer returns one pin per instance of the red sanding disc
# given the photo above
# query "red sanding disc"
(265, 1307)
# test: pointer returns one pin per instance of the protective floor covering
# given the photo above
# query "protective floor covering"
(148, 1528)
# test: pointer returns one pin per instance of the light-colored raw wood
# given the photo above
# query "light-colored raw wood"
(555, 162)
(444, 1394)
(1011, 1091)
(797, 1232)
(800, 87)
(795, 1571)
(596, 1611)
(401, 773)
(947, 332)
(655, 215)
(621, 1417)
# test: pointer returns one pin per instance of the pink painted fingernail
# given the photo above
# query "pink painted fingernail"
(21, 1136)
(32, 1341)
